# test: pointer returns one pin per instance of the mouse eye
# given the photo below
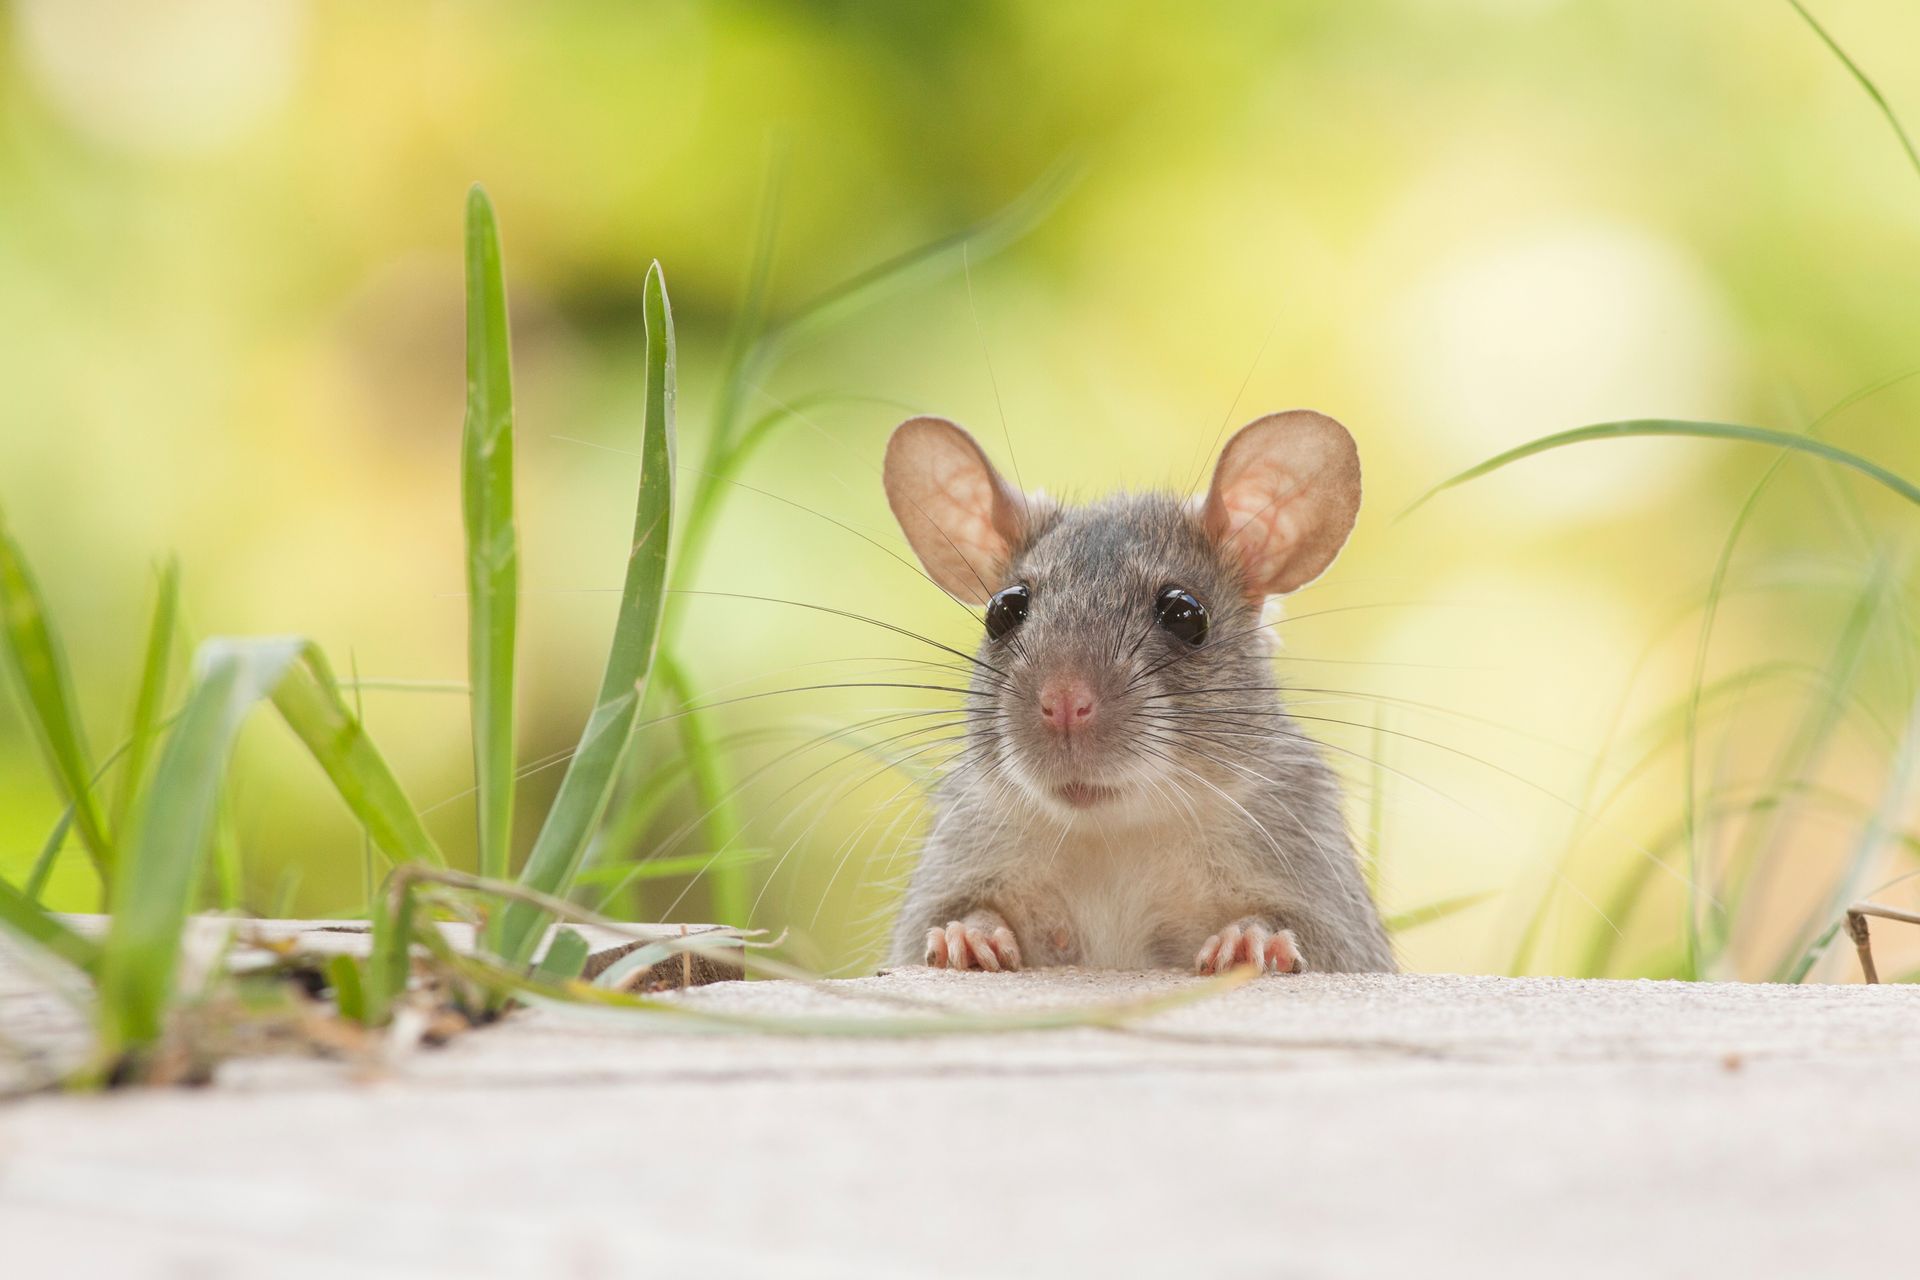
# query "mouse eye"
(1181, 614)
(1007, 610)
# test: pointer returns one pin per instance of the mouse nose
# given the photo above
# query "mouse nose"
(1067, 704)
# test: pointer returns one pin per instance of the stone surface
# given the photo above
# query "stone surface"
(1310, 1126)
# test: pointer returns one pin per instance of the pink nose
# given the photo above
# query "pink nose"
(1066, 704)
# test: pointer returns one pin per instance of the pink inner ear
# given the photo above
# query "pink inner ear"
(1251, 519)
(968, 514)
(951, 504)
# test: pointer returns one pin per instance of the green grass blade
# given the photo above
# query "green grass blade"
(167, 845)
(713, 793)
(42, 869)
(559, 850)
(1800, 760)
(566, 956)
(1690, 756)
(1881, 828)
(349, 988)
(493, 556)
(620, 877)
(173, 826)
(1873, 90)
(1674, 427)
(741, 363)
(750, 364)
(50, 851)
(27, 920)
(151, 693)
(929, 261)
(309, 700)
(229, 860)
(390, 963)
(40, 665)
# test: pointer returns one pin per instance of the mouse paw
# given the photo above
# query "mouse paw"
(1251, 942)
(981, 941)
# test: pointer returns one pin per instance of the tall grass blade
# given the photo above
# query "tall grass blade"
(1873, 90)
(390, 963)
(173, 825)
(309, 700)
(167, 846)
(40, 665)
(929, 261)
(493, 556)
(1675, 427)
(42, 869)
(56, 839)
(559, 850)
(566, 956)
(1799, 761)
(151, 693)
(27, 920)
(727, 881)
(1882, 827)
(750, 363)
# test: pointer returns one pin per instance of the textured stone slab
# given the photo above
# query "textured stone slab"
(1314, 1126)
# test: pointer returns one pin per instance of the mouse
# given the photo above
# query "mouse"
(1132, 792)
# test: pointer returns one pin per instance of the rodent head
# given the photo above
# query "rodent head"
(1124, 668)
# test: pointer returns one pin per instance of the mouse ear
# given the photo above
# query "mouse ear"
(961, 517)
(1285, 493)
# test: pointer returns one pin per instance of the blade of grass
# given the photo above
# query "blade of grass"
(26, 919)
(309, 700)
(727, 883)
(166, 849)
(1798, 761)
(174, 818)
(1689, 767)
(40, 665)
(366, 837)
(349, 988)
(50, 850)
(390, 962)
(1638, 427)
(930, 261)
(492, 550)
(42, 869)
(623, 876)
(1873, 90)
(1883, 825)
(150, 694)
(229, 873)
(560, 848)
(565, 957)
(750, 363)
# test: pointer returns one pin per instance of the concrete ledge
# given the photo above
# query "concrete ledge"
(1321, 1125)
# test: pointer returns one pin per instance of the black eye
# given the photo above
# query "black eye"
(1007, 610)
(1181, 614)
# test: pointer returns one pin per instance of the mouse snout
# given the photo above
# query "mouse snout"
(1067, 704)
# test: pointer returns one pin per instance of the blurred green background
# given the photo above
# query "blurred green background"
(230, 326)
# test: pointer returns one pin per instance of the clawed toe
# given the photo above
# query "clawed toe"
(970, 944)
(1250, 943)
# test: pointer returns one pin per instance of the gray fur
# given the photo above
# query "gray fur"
(1227, 809)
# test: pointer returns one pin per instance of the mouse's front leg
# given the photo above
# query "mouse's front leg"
(981, 941)
(1251, 941)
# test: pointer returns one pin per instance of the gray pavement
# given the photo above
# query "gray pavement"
(1314, 1126)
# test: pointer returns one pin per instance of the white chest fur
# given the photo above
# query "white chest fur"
(1138, 899)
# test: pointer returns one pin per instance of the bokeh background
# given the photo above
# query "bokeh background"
(230, 327)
